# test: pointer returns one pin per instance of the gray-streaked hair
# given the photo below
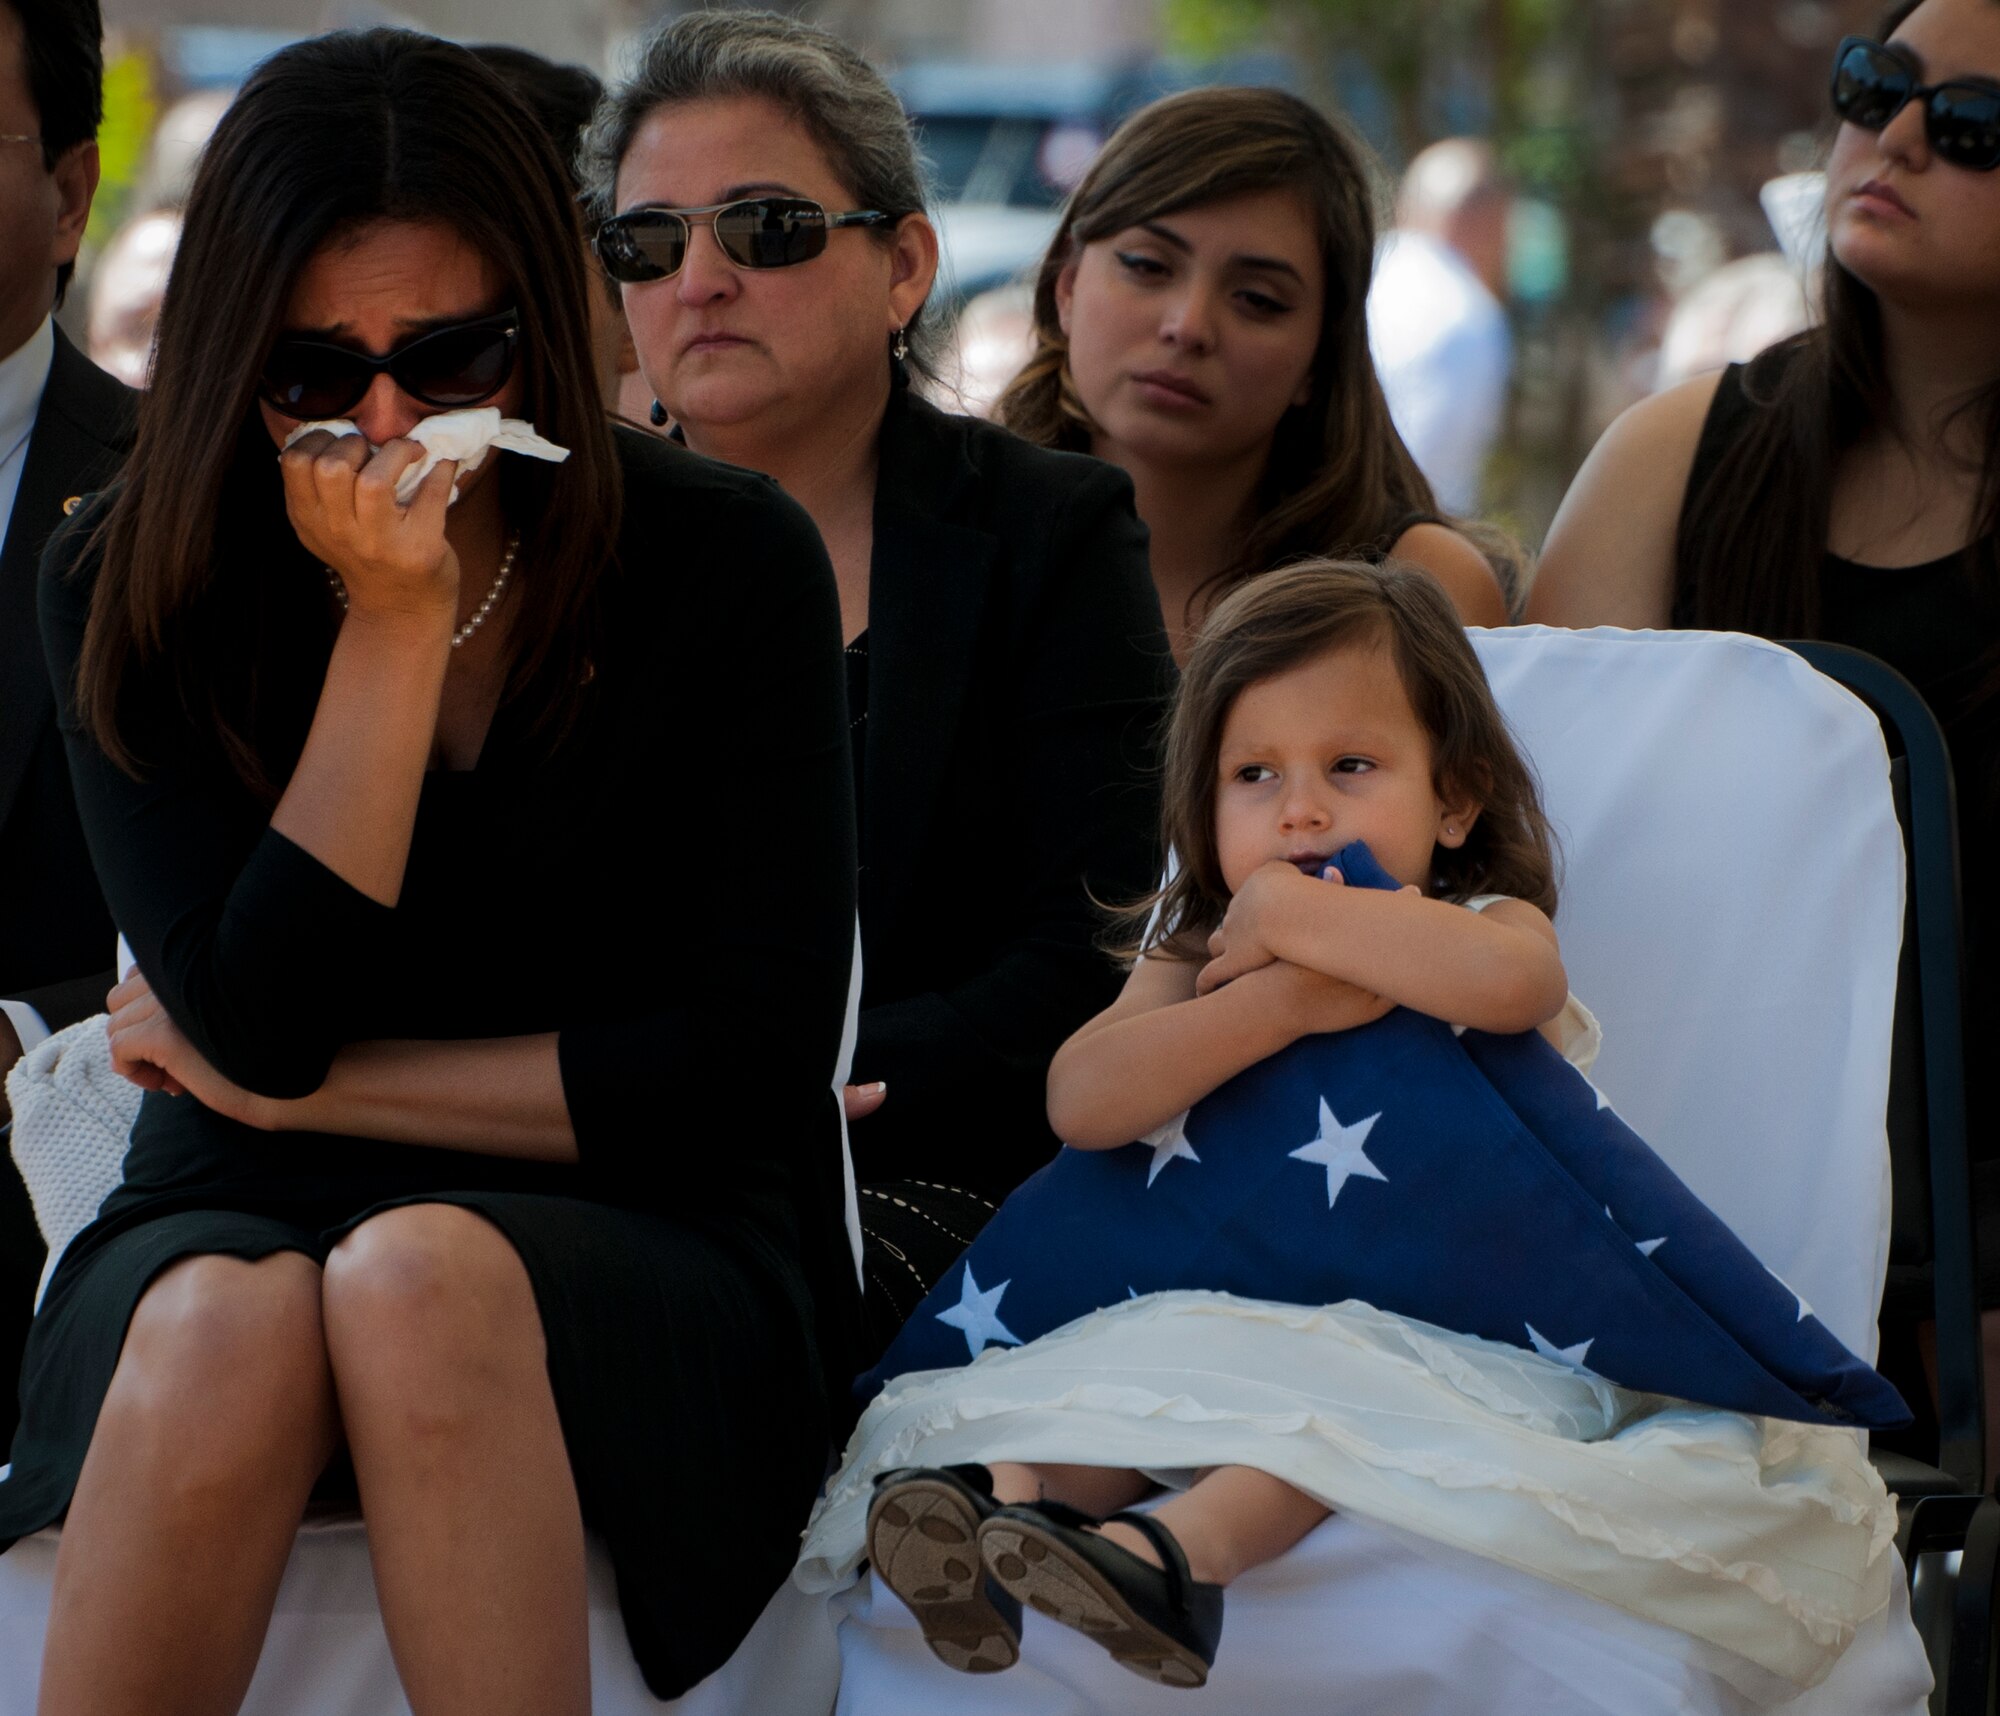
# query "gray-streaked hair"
(841, 101)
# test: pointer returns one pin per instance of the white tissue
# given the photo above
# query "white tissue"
(466, 436)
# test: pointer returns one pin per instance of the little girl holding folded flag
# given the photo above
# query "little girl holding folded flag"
(1350, 1092)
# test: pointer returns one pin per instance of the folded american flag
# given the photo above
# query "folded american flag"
(1472, 1181)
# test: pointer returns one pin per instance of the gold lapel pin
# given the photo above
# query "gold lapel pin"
(70, 505)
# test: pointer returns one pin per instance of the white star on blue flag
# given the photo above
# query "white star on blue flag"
(977, 1315)
(1805, 1310)
(1169, 1143)
(1570, 1358)
(1338, 1150)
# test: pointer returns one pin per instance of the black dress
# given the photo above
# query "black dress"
(1010, 690)
(671, 891)
(1938, 625)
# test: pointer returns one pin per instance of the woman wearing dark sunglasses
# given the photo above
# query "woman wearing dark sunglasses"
(459, 845)
(1846, 484)
(758, 194)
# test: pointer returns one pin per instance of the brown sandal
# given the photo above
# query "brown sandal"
(923, 1528)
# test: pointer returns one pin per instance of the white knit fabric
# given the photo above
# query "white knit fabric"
(72, 1120)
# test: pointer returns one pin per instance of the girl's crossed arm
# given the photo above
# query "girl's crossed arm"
(1160, 1048)
(1497, 970)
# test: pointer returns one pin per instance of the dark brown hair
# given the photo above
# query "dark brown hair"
(1753, 533)
(1271, 624)
(63, 47)
(327, 136)
(1340, 480)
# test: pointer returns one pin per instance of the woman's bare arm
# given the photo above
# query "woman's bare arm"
(1465, 574)
(1609, 557)
(497, 1096)
(352, 800)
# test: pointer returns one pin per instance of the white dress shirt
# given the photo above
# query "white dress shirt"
(1443, 350)
(24, 374)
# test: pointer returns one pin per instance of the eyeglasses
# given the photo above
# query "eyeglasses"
(464, 364)
(1872, 84)
(759, 232)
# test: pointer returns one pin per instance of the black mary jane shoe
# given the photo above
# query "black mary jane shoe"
(923, 1529)
(1164, 1625)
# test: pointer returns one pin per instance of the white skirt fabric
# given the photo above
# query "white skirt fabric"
(1769, 1541)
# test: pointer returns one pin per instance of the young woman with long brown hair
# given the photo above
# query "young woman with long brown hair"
(1846, 484)
(1201, 322)
(421, 820)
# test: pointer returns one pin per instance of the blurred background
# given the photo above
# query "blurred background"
(1633, 200)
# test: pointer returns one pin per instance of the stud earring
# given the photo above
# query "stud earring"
(658, 414)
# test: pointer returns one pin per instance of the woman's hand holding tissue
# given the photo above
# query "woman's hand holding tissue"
(395, 561)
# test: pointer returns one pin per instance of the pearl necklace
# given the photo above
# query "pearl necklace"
(478, 614)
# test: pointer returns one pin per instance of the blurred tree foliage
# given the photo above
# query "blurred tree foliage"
(1403, 45)
(131, 110)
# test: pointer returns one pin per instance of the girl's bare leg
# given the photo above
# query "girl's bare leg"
(218, 1421)
(1233, 1519)
(473, 1522)
(1092, 1489)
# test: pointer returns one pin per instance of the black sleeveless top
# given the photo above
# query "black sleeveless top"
(1938, 625)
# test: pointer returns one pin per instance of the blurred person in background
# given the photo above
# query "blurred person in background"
(1846, 484)
(178, 140)
(1200, 322)
(1731, 315)
(1436, 317)
(128, 279)
(64, 427)
(126, 288)
(993, 336)
(758, 193)
(563, 98)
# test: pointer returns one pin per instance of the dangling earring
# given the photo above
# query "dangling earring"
(899, 347)
(658, 414)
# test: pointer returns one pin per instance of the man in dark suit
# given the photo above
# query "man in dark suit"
(64, 427)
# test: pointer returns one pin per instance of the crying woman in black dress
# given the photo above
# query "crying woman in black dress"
(421, 823)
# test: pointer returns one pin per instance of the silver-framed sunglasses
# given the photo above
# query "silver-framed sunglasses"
(651, 243)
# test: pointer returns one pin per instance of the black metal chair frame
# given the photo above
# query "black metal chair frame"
(1947, 1506)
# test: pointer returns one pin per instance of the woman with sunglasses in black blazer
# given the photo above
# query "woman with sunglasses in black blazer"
(758, 194)
(461, 845)
(1846, 483)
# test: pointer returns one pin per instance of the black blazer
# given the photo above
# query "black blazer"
(1018, 676)
(55, 932)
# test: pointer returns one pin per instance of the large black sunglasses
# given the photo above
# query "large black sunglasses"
(758, 232)
(463, 364)
(1872, 84)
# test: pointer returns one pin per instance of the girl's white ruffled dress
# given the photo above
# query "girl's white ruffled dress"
(1766, 1539)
